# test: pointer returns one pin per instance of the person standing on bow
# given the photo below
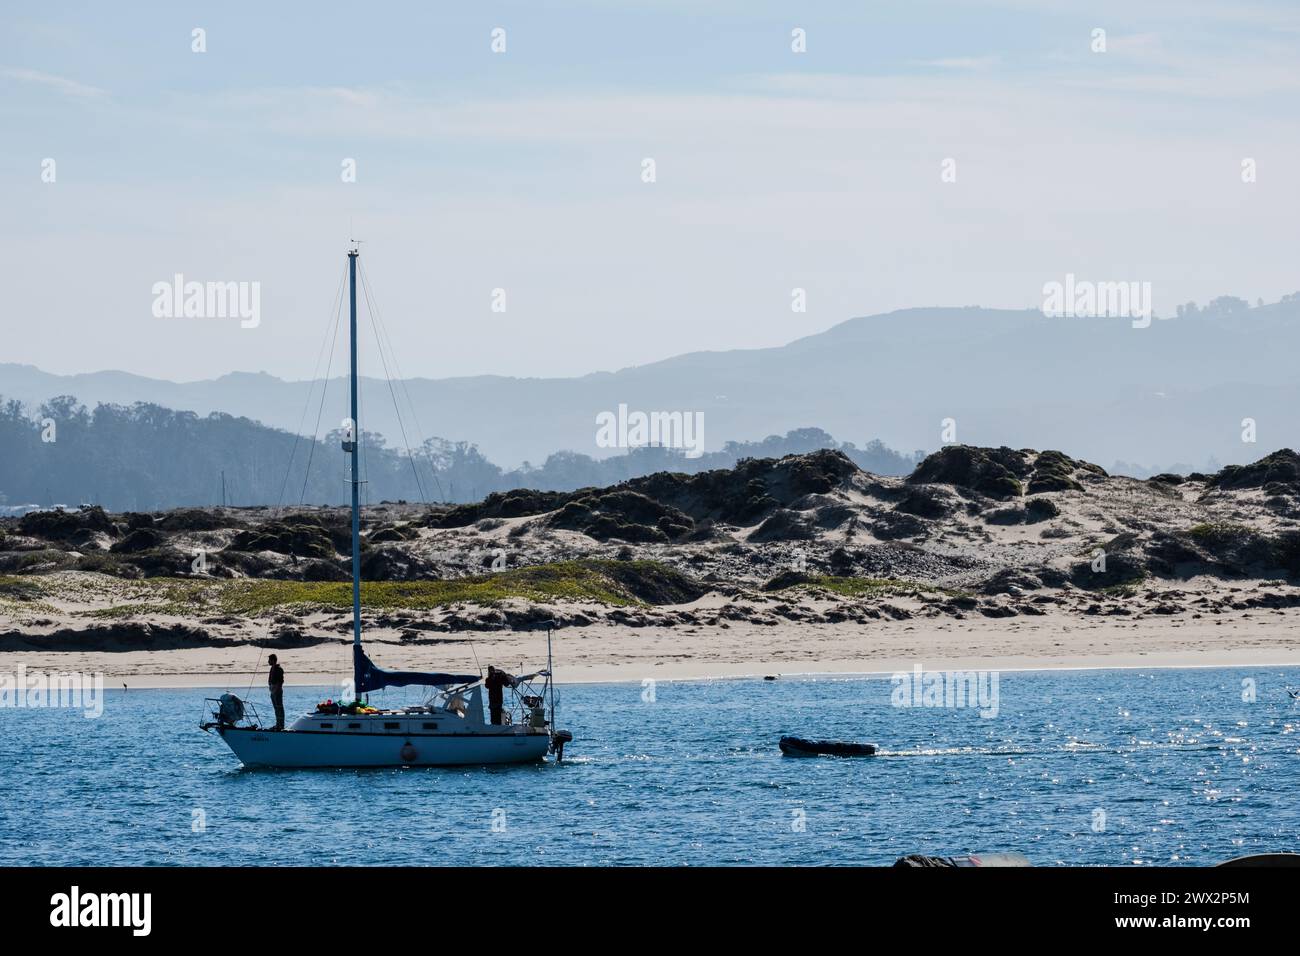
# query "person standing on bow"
(275, 681)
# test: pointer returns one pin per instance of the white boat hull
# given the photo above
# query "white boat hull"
(295, 748)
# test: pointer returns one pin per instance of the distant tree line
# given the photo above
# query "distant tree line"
(145, 457)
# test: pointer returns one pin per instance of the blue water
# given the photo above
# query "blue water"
(1183, 770)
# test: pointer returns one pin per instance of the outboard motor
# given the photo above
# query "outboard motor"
(558, 739)
(230, 710)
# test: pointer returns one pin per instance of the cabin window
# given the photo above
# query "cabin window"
(354, 726)
(326, 726)
(430, 726)
(392, 726)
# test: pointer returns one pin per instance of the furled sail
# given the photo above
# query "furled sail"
(369, 676)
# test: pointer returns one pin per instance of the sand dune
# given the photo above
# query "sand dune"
(994, 558)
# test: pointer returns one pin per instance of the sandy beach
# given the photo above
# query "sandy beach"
(604, 653)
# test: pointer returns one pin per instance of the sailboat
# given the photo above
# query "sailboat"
(448, 729)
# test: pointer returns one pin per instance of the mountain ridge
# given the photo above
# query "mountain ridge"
(1177, 391)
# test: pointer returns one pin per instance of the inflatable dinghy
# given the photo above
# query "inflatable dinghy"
(982, 859)
(798, 747)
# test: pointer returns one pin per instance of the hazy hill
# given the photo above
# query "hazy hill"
(146, 457)
(1173, 393)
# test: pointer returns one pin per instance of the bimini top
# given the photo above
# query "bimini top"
(371, 677)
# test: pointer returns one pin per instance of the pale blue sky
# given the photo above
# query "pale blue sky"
(522, 170)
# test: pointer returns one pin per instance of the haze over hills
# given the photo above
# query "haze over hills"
(1172, 394)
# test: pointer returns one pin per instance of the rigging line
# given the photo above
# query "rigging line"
(474, 651)
(338, 298)
(325, 382)
(258, 666)
(365, 287)
(364, 476)
(376, 323)
(415, 416)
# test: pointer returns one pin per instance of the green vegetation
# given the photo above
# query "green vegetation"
(1054, 471)
(1040, 509)
(21, 597)
(44, 559)
(18, 588)
(617, 583)
(995, 472)
(565, 581)
(1124, 589)
(1221, 532)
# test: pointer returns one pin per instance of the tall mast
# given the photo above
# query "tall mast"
(550, 676)
(356, 440)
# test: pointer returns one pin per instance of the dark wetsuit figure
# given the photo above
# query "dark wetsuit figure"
(496, 683)
(275, 681)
